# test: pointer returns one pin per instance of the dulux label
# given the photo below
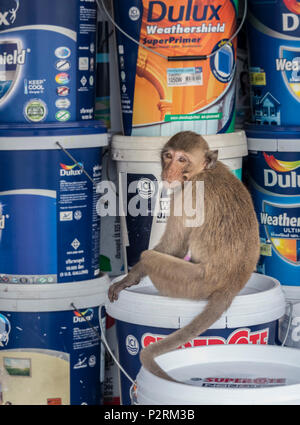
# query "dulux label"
(132, 338)
(50, 233)
(60, 87)
(275, 188)
(176, 28)
(61, 347)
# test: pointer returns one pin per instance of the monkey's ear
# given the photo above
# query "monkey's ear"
(211, 159)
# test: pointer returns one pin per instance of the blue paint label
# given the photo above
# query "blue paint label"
(275, 66)
(275, 188)
(67, 30)
(132, 338)
(49, 227)
(51, 357)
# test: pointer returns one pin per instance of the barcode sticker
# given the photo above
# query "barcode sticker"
(192, 76)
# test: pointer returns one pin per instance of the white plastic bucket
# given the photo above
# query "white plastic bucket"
(138, 160)
(224, 375)
(143, 317)
(50, 352)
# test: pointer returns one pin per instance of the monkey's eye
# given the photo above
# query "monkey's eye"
(167, 155)
(182, 159)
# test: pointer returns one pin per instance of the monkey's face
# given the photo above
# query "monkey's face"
(180, 166)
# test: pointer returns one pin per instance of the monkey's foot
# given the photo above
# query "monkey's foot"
(115, 289)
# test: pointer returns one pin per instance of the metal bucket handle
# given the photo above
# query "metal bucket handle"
(290, 316)
(102, 6)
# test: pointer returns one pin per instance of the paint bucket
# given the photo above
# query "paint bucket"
(224, 375)
(60, 86)
(49, 228)
(183, 64)
(49, 351)
(143, 317)
(274, 182)
(139, 168)
(274, 66)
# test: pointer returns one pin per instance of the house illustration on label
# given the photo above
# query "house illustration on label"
(265, 109)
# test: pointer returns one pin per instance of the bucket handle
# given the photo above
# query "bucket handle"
(103, 340)
(102, 6)
(290, 316)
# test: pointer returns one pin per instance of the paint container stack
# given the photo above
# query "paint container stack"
(274, 147)
(274, 137)
(51, 287)
(160, 97)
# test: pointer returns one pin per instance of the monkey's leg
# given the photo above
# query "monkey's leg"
(133, 278)
(175, 277)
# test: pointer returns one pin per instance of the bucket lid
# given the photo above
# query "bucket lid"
(55, 296)
(278, 139)
(147, 149)
(73, 135)
(224, 374)
(260, 301)
(52, 129)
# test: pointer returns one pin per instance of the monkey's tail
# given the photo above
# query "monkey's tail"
(217, 303)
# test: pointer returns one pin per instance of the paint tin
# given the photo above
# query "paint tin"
(224, 375)
(143, 317)
(274, 66)
(49, 352)
(49, 228)
(182, 94)
(47, 60)
(274, 182)
(139, 170)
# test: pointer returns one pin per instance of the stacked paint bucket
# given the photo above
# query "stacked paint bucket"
(274, 137)
(166, 87)
(51, 288)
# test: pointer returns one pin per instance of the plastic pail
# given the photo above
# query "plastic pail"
(224, 375)
(49, 228)
(143, 317)
(138, 160)
(274, 182)
(48, 350)
(274, 66)
(47, 60)
(185, 93)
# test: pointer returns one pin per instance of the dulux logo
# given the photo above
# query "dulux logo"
(68, 170)
(158, 10)
(290, 21)
(83, 316)
(8, 11)
(287, 180)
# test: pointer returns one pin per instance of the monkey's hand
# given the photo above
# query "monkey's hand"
(133, 278)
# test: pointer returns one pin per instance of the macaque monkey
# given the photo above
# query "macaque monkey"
(223, 250)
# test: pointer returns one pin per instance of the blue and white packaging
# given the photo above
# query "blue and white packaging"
(47, 60)
(50, 352)
(274, 61)
(49, 227)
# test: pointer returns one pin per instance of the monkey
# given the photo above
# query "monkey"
(223, 250)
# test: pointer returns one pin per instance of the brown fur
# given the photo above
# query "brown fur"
(225, 249)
